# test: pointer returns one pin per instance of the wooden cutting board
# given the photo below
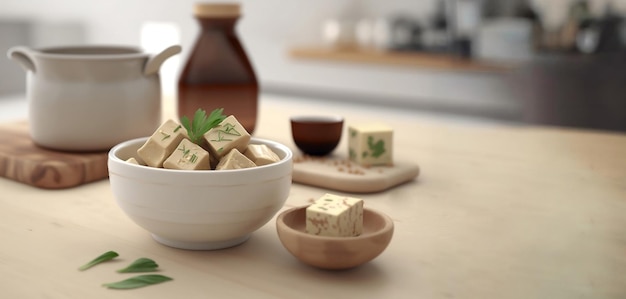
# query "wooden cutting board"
(23, 161)
(337, 173)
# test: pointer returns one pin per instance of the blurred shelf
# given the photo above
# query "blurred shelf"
(400, 59)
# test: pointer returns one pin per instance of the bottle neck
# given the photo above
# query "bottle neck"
(221, 24)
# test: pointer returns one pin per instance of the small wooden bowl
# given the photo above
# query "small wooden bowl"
(316, 135)
(334, 252)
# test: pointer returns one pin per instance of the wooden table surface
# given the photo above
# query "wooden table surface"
(410, 59)
(497, 212)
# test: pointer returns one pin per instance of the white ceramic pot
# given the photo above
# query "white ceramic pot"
(89, 98)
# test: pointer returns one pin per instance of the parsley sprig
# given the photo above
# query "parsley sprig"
(140, 265)
(109, 255)
(137, 282)
(201, 123)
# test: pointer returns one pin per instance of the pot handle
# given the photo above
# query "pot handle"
(24, 56)
(154, 63)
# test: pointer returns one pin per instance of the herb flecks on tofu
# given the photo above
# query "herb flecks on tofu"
(203, 143)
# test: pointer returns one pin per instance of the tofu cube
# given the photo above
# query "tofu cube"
(234, 160)
(229, 134)
(261, 154)
(335, 216)
(188, 156)
(162, 143)
(132, 160)
(370, 144)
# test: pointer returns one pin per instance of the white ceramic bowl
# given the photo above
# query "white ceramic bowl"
(199, 209)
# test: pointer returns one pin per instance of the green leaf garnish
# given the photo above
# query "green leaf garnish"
(109, 255)
(137, 282)
(201, 123)
(140, 265)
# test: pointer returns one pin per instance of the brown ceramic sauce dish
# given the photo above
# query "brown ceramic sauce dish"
(334, 253)
(316, 135)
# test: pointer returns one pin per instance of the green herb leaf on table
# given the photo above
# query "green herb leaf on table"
(140, 265)
(201, 123)
(109, 255)
(137, 282)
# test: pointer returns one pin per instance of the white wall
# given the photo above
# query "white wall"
(12, 32)
(268, 28)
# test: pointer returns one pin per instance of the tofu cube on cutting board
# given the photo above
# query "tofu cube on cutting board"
(335, 216)
(229, 134)
(162, 143)
(370, 144)
(188, 156)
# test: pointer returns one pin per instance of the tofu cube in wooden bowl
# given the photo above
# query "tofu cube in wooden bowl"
(199, 209)
(334, 252)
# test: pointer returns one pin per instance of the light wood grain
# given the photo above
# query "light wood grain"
(398, 59)
(336, 172)
(23, 161)
(497, 212)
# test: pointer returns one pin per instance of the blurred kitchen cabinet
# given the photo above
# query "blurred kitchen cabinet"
(584, 91)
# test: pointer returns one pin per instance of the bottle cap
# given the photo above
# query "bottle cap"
(216, 9)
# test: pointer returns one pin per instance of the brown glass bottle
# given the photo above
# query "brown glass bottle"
(218, 73)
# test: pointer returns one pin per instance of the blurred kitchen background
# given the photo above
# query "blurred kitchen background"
(557, 62)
